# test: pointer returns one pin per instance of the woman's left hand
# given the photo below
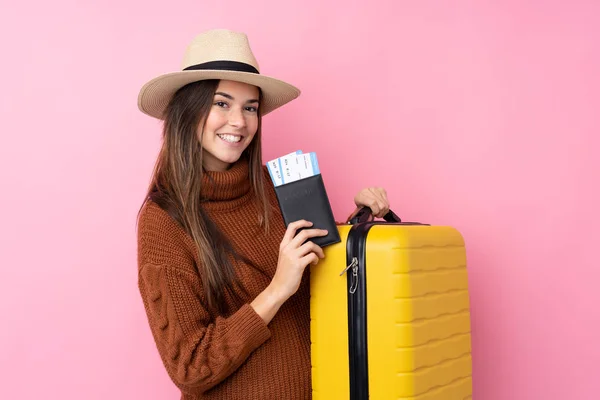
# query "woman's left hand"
(375, 198)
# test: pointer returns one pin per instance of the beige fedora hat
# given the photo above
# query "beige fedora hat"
(216, 54)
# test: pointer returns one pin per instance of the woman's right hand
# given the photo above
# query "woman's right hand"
(296, 252)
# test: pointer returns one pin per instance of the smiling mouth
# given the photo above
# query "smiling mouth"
(230, 138)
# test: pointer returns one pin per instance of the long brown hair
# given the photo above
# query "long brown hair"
(176, 187)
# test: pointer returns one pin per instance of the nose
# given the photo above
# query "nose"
(237, 118)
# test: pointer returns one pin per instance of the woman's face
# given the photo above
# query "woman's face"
(230, 126)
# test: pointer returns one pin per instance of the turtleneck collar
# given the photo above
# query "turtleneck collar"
(227, 189)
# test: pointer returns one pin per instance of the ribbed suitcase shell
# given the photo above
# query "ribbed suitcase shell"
(418, 318)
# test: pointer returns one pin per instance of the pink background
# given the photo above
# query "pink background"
(482, 115)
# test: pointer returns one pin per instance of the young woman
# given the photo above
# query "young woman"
(221, 278)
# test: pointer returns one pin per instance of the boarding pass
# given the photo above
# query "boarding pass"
(292, 167)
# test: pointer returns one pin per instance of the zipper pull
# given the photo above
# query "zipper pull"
(354, 266)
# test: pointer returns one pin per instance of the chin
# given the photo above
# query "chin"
(230, 159)
(224, 158)
(233, 157)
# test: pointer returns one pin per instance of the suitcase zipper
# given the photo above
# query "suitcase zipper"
(357, 311)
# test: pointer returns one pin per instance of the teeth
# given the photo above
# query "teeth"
(230, 138)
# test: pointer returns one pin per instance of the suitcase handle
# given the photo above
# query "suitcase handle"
(365, 213)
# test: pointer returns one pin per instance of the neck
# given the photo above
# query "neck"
(226, 188)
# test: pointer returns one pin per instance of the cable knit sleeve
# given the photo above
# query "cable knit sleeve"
(198, 351)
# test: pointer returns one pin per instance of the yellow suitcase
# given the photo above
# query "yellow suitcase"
(390, 315)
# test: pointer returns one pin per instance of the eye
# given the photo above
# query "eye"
(221, 104)
(252, 109)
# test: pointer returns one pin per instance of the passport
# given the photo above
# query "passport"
(301, 193)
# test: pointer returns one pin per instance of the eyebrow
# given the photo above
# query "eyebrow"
(230, 97)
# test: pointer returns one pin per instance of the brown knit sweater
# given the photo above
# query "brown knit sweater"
(235, 356)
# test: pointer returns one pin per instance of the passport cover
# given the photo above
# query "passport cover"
(307, 199)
